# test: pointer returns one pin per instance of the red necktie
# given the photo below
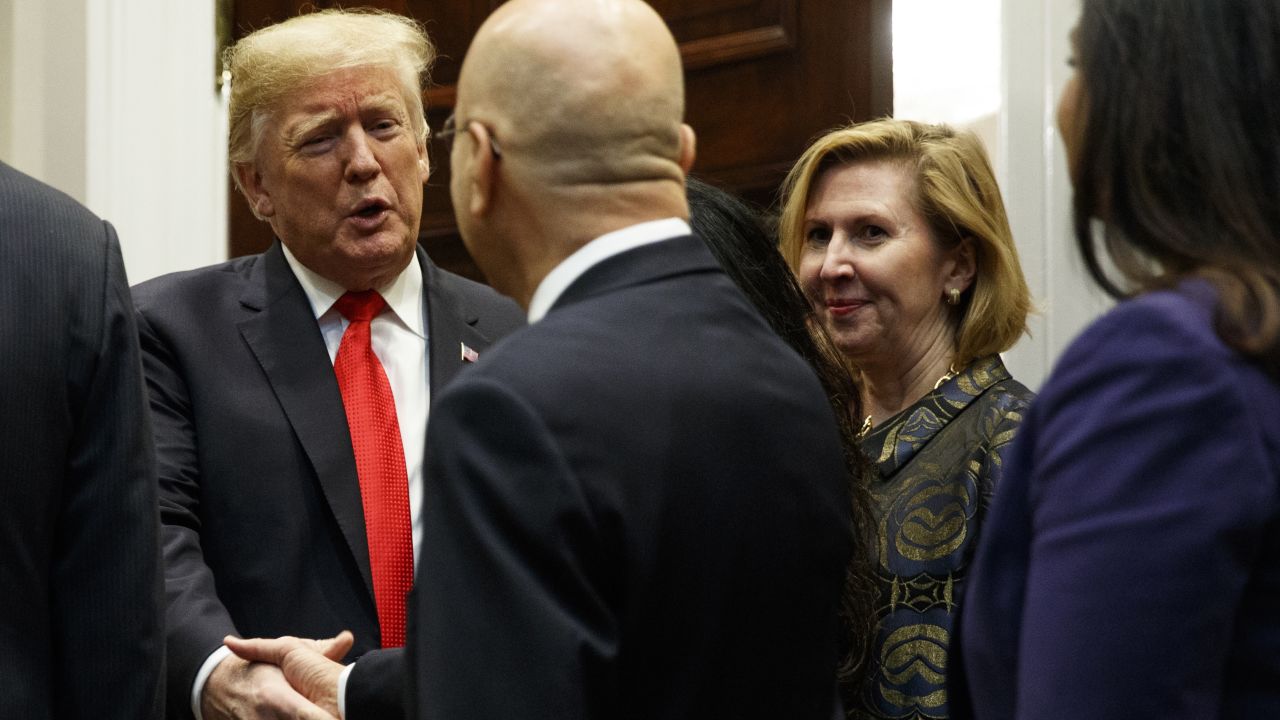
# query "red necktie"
(384, 482)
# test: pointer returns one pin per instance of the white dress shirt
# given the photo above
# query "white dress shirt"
(399, 339)
(602, 248)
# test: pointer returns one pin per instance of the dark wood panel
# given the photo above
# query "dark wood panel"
(696, 21)
(676, 10)
(762, 78)
(753, 119)
(736, 46)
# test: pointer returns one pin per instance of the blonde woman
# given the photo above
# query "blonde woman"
(899, 237)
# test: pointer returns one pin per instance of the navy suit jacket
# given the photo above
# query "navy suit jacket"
(263, 527)
(643, 501)
(80, 602)
(1130, 563)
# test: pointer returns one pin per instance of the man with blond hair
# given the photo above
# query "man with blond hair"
(289, 390)
(637, 506)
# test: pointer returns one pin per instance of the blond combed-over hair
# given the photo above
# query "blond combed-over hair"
(269, 63)
(956, 192)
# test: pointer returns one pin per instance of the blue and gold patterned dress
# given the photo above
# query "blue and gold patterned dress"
(938, 463)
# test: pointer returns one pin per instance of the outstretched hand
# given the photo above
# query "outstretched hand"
(310, 666)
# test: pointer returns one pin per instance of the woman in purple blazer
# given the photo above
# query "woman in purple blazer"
(1130, 564)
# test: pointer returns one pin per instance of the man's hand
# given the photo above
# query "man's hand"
(309, 666)
(241, 690)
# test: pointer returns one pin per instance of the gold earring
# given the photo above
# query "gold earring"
(953, 296)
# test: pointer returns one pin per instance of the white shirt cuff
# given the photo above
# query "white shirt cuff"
(202, 677)
(342, 691)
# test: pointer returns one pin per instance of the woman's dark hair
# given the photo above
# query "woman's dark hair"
(749, 255)
(1179, 154)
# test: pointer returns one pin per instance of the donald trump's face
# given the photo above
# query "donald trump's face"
(338, 174)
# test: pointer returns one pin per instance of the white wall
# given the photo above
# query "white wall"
(44, 105)
(113, 101)
(1037, 190)
(946, 64)
(997, 67)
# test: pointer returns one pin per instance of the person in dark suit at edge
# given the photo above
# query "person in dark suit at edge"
(290, 390)
(80, 611)
(642, 496)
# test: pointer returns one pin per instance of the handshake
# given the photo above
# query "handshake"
(284, 677)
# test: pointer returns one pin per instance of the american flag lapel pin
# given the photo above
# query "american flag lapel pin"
(469, 355)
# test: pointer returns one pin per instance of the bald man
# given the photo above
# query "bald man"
(635, 507)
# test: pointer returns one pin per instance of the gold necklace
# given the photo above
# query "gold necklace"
(866, 427)
(952, 371)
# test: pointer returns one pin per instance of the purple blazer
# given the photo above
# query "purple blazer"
(1130, 564)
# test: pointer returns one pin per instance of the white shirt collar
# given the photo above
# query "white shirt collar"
(403, 295)
(602, 248)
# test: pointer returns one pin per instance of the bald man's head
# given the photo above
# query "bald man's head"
(578, 92)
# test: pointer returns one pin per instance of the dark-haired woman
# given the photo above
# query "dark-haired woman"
(749, 255)
(1130, 566)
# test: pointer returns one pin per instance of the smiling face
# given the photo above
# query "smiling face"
(871, 268)
(339, 173)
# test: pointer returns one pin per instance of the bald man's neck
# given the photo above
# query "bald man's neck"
(571, 217)
(540, 239)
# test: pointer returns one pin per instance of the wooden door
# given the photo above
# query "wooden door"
(762, 77)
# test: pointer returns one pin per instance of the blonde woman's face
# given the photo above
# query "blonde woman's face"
(870, 266)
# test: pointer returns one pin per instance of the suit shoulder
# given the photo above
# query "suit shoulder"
(471, 290)
(193, 286)
(41, 221)
(495, 311)
(1160, 347)
(1159, 326)
(25, 194)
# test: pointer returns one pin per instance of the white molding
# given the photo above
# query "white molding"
(8, 58)
(113, 102)
(1032, 172)
(44, 53)
(156, 158)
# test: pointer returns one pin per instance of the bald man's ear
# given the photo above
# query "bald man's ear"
(259, 199)
(688, 148)
(482, 169)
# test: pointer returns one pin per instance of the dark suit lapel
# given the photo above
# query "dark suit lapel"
(283, 334)
(450, 325)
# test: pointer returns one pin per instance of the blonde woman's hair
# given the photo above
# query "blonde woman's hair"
(269, 63)
(956, 192)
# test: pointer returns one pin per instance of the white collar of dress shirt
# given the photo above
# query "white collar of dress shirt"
(403, 295)
(603, 247)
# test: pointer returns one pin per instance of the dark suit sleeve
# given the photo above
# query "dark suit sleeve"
(195, 619)
(1148, 500)
(508, 617)
(375, 688)
(105, 591)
